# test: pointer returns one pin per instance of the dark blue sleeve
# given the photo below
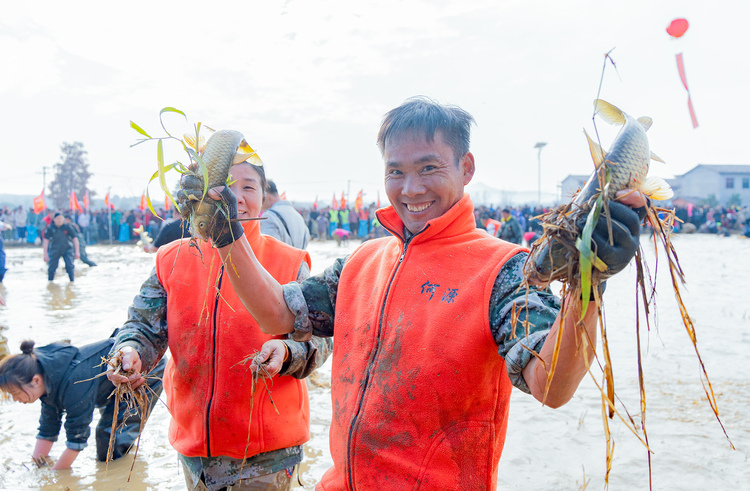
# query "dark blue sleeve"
(49, 423)
(80, 403)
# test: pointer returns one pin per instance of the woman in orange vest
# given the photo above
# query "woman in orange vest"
(188, 306)
(490, 225)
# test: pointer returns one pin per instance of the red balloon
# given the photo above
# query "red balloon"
(677, 28)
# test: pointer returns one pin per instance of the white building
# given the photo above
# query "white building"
(695, 186)
(721, 181)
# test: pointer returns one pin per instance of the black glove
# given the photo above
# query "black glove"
(231, 229)
(626, 229)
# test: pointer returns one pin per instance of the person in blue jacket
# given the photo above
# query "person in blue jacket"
(65, 379)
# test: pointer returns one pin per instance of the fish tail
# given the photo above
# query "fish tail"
(657, 188)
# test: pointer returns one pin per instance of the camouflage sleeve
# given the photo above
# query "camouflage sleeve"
(313, 302)
(146, 327)
(306, 356)
(540, 308)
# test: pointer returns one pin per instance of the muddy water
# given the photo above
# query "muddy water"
(545, 449)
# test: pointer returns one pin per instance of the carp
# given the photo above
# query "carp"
(624, 166)
(223, 149)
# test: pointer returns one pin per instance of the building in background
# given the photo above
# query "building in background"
(704, 183)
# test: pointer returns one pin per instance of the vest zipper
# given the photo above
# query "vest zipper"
(213, 363)
(375, 353)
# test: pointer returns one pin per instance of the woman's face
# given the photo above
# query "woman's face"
(30, 392)
(248, 188)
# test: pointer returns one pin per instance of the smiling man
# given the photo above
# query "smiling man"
(426, 346)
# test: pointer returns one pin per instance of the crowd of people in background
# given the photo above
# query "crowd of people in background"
(326, 223)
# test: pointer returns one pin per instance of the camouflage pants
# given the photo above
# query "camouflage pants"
(281, 481)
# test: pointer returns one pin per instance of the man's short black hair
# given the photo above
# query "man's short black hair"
(57, 214)
(505, 210)
(421, 114)
(485, 215)
(271, 187)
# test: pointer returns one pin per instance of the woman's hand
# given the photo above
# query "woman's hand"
(130, 361)
(272, 356)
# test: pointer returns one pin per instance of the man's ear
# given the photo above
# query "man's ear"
(467, 167)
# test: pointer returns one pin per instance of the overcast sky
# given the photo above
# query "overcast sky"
(308, 82)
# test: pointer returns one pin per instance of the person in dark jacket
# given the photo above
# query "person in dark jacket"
(60, 241)
(511, 229)
(66, 379)
(81, 241)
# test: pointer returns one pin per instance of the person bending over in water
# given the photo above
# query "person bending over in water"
(67, 380)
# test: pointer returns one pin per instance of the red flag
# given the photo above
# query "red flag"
(142, 205)
(86, 201)
(166, 203)
(74, 202)
(358, 201)
(40, 204)
(343, 201)
(283, 196)
(315, 203)
(108, 203)
(334, 203)
(681, 69)
(378, 199)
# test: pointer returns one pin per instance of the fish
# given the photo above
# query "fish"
(627, 159)
(627, 163)
(222, 150)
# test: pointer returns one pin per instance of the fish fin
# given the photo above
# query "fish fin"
(657, 188)
(608, 112)
(646, 122)
(245, 153)
(657, 158)
(597, 154)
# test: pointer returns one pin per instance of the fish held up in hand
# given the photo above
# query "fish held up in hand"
(624, 166)
(223, 149)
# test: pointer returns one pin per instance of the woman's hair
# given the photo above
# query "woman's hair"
(17, 370)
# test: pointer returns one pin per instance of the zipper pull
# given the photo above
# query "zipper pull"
(403, 253)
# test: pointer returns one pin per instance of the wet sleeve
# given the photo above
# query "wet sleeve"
(79, 411)
(313, 302)
(516, 340)
(50, 422)
(146, 327)
(305, 356)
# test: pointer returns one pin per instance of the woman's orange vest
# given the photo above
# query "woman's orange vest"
(420, 393)
(210, 333)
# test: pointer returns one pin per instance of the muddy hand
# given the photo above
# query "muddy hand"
(271, 356)
(131, 360)
(226, 234)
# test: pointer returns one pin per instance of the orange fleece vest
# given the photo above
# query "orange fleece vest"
(498, 225)
(420, 394)
(210, 331)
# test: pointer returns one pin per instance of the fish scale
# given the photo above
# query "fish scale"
(220, 150)
(627, 160)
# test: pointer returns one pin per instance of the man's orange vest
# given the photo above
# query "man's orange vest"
(420, 393)
(210, 332)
